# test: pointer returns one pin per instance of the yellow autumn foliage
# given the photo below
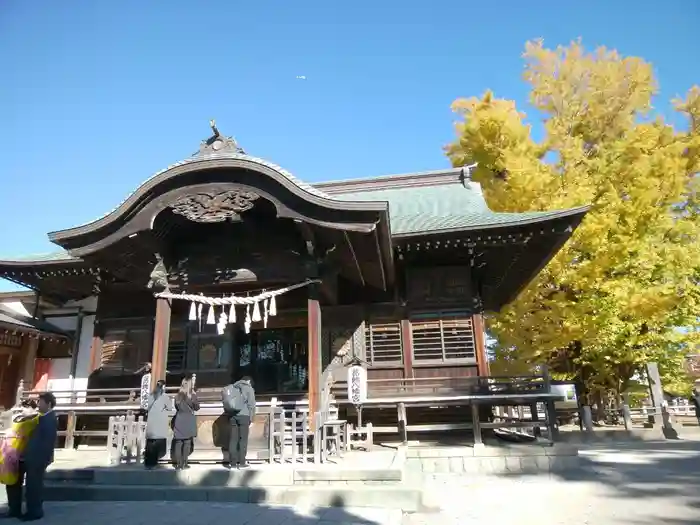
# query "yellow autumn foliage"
(624, 289)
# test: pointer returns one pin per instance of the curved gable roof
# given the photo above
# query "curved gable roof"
(230, 156)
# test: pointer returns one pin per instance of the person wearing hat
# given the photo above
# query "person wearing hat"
(33, 464)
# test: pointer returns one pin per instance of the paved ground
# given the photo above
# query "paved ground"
(634, 484)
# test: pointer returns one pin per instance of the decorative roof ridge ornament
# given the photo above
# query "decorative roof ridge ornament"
(218, 143)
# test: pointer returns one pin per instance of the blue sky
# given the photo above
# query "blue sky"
(98, 95)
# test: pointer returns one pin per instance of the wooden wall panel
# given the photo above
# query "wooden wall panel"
(385, 373)
(445, 371)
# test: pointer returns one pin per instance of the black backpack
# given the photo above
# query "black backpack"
(233, 399)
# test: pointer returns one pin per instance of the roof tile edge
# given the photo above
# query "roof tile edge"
(382, 182)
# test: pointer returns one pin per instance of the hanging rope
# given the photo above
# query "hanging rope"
(221, 301)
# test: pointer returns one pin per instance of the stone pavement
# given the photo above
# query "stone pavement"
(206, 513)
(648, 483)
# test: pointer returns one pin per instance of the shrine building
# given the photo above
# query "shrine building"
(226, 265)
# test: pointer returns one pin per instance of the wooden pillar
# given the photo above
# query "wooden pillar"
(161, 339)
(407, 348)
(482, 362)
(31, 348)
(314, 350)
(96, 350)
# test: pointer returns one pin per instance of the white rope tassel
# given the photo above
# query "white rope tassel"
(193, 311)
(221, 325)
(256, 313)
(232, 313)
(273, 306)
(266, 311)
(199, 315)
(246, 324)
(210, 316)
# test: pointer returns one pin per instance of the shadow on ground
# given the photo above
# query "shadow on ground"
(640, 471)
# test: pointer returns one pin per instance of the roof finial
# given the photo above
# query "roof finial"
(214, 129)
(218, 143)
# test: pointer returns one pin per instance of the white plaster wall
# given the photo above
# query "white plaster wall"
(69, 322)
(17, 306)
(59, 379)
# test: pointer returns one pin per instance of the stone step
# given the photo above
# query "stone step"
(341, 495)
(262, 476)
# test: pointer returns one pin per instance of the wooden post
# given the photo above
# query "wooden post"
(20, 392)
(482, 362)
(403, 423)
(552, 423)
(161, 339)
(407, 348)
(476, 426)
(70, 430)
(314, 353)
(95, 351)
(32, 347)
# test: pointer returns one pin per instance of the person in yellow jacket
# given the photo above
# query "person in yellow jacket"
(34, 461)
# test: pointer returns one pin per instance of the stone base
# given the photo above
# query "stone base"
(603, 434)
(493, 460)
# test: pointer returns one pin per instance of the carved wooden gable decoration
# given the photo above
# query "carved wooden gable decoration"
(215, 207)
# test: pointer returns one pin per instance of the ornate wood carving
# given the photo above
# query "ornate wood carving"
(439, 284)
(159, 275)
(216, 207)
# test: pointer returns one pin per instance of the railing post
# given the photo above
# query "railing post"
(70, 431)
(476, 426)
(402, 422)
(551, 418)
(20, 392)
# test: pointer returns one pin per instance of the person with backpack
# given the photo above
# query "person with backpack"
(238, 400)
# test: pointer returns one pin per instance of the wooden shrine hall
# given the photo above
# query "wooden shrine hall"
(226, 265)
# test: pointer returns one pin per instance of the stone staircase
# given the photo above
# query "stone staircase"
(370, 479)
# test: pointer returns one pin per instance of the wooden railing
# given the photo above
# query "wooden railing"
(452, 386)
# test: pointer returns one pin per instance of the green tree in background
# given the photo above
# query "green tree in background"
(617, 293)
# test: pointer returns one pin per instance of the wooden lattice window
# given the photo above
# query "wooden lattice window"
(177, 350)
(443, 337)
(383, 343)
(125, 350)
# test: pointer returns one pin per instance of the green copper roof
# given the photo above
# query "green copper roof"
(428, 209)
(57, 256)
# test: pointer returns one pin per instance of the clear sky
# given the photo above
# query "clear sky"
(97, 95)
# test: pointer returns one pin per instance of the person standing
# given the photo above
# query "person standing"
(33, 463)
(241, 421)
(695, 400)
(184, 423)
(159, 408)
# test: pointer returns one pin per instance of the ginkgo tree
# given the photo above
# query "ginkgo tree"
(624, 290)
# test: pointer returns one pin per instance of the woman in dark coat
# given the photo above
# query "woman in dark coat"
(184, 423)
(157, 428)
